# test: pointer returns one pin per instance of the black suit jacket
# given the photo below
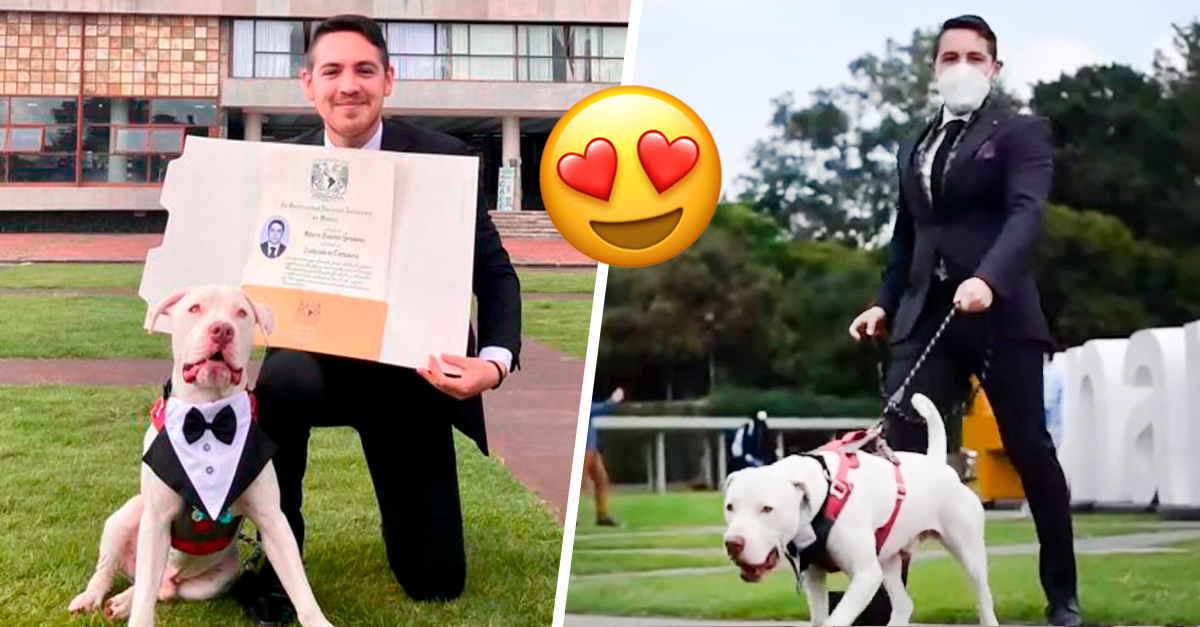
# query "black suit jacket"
(989, 216)
(266, 248)
(494, 281)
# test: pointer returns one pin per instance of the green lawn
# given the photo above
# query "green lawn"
(71, 275)
(1157, 592)
(561, 324)
(77, 327)
(547, 281)
(110, 326)
(1155, 589)
(129, 275)
(69, 457)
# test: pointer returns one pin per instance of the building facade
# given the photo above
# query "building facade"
(94, 104)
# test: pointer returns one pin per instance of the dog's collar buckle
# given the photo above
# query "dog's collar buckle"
(839, 489)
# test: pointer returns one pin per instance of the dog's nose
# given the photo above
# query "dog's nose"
(734, 546)
(221, 332)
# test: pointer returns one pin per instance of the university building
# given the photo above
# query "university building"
(93, 105)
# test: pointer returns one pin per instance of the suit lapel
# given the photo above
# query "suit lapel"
(978, 130)
(910, 173)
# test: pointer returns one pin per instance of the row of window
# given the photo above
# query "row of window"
(114, 140)
(418, 51)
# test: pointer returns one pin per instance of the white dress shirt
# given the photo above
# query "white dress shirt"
(927, 162)
(498, 353)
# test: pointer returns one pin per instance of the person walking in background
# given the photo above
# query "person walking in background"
(750, 442)
(593, 461)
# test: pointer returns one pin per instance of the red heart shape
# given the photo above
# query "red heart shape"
(666, 163)
(592, 174)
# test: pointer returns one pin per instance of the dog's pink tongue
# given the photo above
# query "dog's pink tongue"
(190, 373)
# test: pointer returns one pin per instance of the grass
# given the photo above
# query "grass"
(71, 275)
(1121, 590)
(1115, 589)
(544, 281)
(129, 275)
(68, 458)
(58, 327)
(110, 326)
(561, 324)
(596, 563)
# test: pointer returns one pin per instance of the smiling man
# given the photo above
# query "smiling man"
(973, 187)
(403, 416)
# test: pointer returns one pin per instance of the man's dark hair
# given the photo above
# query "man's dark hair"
(272, 223)
(967, 22)
(348, 23)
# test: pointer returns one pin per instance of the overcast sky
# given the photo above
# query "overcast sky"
(727, 59)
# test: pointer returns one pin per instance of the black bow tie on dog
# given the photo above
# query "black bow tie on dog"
(223, 427)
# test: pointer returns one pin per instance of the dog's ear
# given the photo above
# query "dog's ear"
(798, 474)
(163, 307)
(264, 316)
(728, 481)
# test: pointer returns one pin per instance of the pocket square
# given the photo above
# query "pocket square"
(986, 151)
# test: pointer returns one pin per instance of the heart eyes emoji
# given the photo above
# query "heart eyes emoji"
(593, 172)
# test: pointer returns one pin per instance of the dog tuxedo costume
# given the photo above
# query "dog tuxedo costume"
(209, 454)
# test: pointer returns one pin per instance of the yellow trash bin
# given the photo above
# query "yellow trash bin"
(995, 477)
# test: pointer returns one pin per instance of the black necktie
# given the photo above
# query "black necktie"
(223, 427)
(952, 129)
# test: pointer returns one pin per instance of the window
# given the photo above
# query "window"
(597, 53)
(268, 48)
(542, 53)
(132, 140)
(37, 140)
(411, 50)
(443, 51)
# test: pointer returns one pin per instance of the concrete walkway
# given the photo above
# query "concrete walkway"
(532, 420)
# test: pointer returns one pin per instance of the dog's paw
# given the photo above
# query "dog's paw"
(118, 607)
(87, 602)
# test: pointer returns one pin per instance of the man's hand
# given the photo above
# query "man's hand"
(618, 395)
(973, 295)
(477, 375)
(869, 323)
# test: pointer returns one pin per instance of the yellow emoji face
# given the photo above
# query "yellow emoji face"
(630, 176)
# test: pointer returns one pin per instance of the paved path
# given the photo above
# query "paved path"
(531, 421)
(71, 247)
(1128, 543)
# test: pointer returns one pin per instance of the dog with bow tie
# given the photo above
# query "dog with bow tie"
(206, 466)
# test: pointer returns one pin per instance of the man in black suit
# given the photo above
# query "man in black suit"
(274, 245)
(404, 417)
(973, 186)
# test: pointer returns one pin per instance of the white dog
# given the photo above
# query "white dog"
(770, 507)
(207, 465)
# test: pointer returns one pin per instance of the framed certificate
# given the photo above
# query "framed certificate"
(364, 254)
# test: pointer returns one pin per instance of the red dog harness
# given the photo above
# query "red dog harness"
(847, 448)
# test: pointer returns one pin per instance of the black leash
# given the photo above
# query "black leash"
(893, 402)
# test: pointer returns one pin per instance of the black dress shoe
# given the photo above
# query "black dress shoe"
(264, 599)
(877, 612)
(1065, 613)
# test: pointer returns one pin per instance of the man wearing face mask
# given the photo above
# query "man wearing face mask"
(973, 185)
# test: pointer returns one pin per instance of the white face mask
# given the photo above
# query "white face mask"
(963, 87)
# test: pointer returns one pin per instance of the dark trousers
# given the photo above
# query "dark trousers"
(404, 425)
(1013, 386)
